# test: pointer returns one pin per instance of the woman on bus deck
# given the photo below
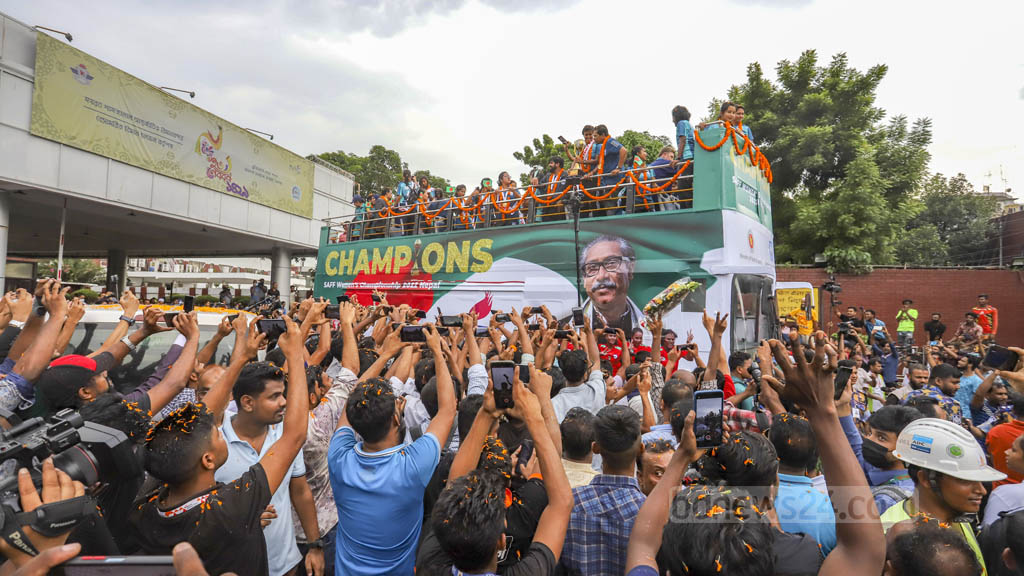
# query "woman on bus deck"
(637, 160)
(684, 132)
(739, 125)
(726, 115)
(507, 195)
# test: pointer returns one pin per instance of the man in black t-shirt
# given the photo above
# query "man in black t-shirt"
(935, 328)
(184, 450)
(472, 518)
(852, 317)
(273, 292)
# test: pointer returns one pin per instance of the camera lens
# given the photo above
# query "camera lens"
(78, 463)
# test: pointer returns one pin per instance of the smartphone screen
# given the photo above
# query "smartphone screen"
(561, 334)
(524, 373)
(232, 317)
(525, 451)
(481, 332)
(271, 327)
(375, 298)
(332, 312)
(502, 318)
(577, 316)
(169, 317)
(503, 373)
(117, 565)
(707, 424)
(1000, 358)
(342, 298)
(533, 327)
(189, 303)
(421, 314)
(451, 321)
(413, 334)
(843, 374)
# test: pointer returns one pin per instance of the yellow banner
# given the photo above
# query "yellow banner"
(794, 303)
(89, 104)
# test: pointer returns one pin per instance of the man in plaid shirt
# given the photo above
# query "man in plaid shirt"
(942, 385)
(604, 510)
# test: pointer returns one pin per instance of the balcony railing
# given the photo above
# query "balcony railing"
(730, 176)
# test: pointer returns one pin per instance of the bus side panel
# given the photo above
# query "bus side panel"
(498, 268)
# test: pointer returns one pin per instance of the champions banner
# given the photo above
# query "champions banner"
(625, 262)
(89, 104)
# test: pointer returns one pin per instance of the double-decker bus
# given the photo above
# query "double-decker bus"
(608, 247)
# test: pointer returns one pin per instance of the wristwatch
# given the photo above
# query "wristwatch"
(130, 321)
(128, 342)
(317, 544)
(17, 323)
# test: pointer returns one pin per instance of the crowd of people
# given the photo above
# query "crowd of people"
(600, 171)
(357, 439)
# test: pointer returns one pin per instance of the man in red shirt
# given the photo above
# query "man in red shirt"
(988, 318)
(1001, 437)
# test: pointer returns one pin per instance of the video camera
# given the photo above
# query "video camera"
(86, 451)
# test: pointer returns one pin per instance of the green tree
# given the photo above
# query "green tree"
(538, 154)
(381, 168)
(902, 155)
(812, 124)
(922, 246)
(851, 224)
(957, 218)
(74, 270)
(435, 181)
(652, 143)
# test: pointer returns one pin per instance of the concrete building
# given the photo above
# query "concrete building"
(114, 210)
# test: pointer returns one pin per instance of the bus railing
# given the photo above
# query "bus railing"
(630, 193)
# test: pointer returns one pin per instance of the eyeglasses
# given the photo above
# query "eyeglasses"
(611, 265)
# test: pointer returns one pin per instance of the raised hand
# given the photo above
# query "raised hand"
(292, 341)
(643, 383)
(129, 303)
(433, 338)
(248, 341)
(187, 324)
(540, 382)
(469, 321)
(654, 324)
(346, 313)
(708, 322)
(76, 310)
(56, 487)
(224, 328)
(809, 384)
(151, 321)
(55, 299)
(20, 304)
(721, 324)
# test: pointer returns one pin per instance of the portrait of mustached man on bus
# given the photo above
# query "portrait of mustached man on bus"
(606, 265)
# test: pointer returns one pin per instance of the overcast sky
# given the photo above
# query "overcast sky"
(457, 85)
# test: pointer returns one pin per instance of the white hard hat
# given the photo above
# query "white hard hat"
(944, 447)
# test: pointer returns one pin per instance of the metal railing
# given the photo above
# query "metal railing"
(546, 202)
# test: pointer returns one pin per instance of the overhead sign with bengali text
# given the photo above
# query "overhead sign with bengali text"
(88, 104)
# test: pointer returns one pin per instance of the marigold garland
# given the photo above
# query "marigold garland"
(754, 155)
